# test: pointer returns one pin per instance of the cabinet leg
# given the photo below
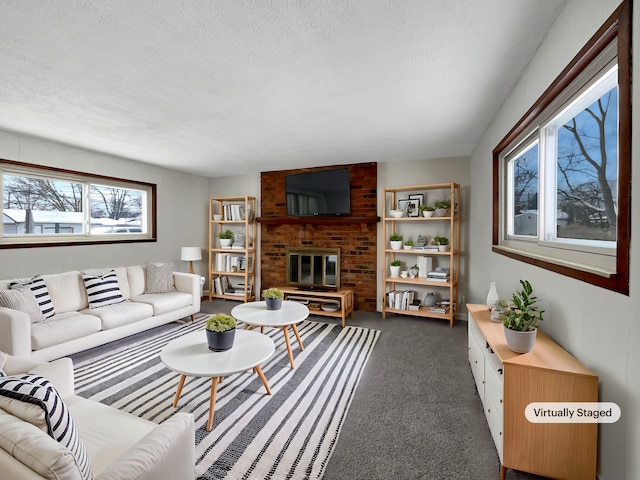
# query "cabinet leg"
(503, 472)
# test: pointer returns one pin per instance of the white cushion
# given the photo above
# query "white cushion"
(135, 275)
(113, 316)
(165, 302)
(102, 290)
(106, 432)
(36, 450)
(159, 278)
(37, 390)
(62, 328)
(22, 299)
(67, 291)
(40, 291)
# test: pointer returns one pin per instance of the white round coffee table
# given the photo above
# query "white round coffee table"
(189, 355)
(255, 314)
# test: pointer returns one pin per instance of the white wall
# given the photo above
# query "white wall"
(595, 325)
(182, 210)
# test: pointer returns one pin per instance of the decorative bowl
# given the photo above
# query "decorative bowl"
(396, 213)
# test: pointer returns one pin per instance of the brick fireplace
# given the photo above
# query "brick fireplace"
(354, 235)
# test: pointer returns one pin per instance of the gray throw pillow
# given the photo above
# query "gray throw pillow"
(159, 278)
(22, 299)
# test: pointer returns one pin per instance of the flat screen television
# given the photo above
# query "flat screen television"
(321, 192)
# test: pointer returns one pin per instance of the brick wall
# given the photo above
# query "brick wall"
(356, 241)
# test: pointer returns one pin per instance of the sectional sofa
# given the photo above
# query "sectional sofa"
(52, 316)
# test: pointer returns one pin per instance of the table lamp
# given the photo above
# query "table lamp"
(189, 254)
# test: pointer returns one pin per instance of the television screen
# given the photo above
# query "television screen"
(323, 192)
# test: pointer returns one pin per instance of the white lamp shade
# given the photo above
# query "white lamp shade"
(190, 253)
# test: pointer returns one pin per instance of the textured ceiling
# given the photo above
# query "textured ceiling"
(219, 88)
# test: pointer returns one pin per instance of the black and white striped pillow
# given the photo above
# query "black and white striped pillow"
(37, 390)
(102, 290)
(40, 291)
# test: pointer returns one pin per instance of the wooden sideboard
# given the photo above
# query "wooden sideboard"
(507, 382)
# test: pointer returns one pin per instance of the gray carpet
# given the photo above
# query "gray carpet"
(416, 413)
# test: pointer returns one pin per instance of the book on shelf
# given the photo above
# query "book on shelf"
(443, 306)
(400, 299)
(425, 265)
(437, 279)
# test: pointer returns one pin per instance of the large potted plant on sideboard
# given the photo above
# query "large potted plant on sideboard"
(521, 319)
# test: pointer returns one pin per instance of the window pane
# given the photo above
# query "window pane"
(525, 192)
(117, 210)
(587, 172)
(42, 206)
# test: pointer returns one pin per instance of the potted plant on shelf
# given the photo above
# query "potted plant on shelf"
(273, 298)
(395, 268)
(395, 240)
(521, 319)
(226, 237)
(427, 210)
(413, 271)
(408, 244)
(442, 208)
(221, 332)
(441, 242)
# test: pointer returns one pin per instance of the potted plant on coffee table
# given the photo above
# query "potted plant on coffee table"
(221, 332)
(226, 237)
(273, 298)
(521, 319)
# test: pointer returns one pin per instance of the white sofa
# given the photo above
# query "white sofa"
(76, 327)
(119, 446)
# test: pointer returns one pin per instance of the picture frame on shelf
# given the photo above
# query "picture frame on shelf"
(417, 196)
(410, 206)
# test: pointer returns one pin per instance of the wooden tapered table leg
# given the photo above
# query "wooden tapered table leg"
(179, 391)
(212, 401)
(295, 330)
(503, 472)
(258, 370)
(285, 331)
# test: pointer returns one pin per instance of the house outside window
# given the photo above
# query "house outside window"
(48, 206)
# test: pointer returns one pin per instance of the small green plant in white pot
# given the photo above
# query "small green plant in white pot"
(442, 243)
(427, 210)
(442, 208)
(408, 244)
(395, 266)
(273, 298)
(395, 240)
(226, 237)
(221, 332)
(521, 319)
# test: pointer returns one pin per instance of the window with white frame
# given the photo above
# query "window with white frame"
(561, 177)
(49, 206)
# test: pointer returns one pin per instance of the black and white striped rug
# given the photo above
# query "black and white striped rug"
(289, 434)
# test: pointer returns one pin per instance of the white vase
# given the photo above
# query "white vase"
(427, 213)
(395, 271)
(492, 296)
(396, 244)
(225, 242)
